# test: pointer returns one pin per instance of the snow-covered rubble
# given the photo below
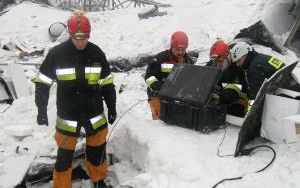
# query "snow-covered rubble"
(152, 154)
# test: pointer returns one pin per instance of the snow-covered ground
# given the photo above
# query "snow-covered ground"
(152, 154)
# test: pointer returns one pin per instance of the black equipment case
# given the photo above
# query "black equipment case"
(185, 98)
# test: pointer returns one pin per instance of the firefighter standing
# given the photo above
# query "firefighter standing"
(159, 69)
(256, 66)
(83, 80)
(232, 88)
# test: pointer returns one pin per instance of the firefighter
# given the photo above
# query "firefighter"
(232, 88)
(84, 80)
(160, 67)
(257, 66)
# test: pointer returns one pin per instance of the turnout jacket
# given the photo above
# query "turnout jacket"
(259, 67)
(83, 80)
(232, 84)
(158, 70)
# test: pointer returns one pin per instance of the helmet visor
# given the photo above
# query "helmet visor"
(218, 58)
(81, 36)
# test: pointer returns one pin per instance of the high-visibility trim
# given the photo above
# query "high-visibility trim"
(275, 62)
(98, 121)
(66, 125)
(243, 96)
(165, 67)
(235, 87)
(92, 74)
(108, 80)
(66, 74)
(151, 80)
(92, 70)
(41, 78)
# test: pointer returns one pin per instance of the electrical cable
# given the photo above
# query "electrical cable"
(244, 152)
(247, 152)
(115, 124)
(222, 140)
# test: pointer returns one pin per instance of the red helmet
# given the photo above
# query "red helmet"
(79, 27)
(179, 40)
(219, 51)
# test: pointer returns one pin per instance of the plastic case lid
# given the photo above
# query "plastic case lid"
(190, 84)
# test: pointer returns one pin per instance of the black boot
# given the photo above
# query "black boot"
(101, 184)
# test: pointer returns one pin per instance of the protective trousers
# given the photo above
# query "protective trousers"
(95, 159)
(155, 107)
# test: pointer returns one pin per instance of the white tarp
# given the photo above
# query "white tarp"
(276, 111)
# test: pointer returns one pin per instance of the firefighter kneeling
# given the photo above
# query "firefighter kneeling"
(160, 67)
(232, 86)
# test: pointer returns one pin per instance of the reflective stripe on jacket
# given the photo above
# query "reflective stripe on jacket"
(160, 68)
(71, 126)
(83, 79)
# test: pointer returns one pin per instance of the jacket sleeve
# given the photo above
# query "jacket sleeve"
(230, 93)
(255, 81)
(237, 75)
(107, 86)
(43, 81)
(152, 76)
(262, 70)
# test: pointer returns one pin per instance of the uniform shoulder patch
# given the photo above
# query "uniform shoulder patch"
(275, 62)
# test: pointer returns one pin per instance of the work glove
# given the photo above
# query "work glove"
(112, 115)
(42, 118)
(155, 88)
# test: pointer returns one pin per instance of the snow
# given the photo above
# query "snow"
(152, 154)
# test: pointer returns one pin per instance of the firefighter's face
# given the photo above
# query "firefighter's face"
(80, 44)
(239, 63)
(178, 51)
(221, 62)
(223, 65)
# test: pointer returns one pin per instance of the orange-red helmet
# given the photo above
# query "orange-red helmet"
(219, 51)
(79, 26)
(179, 40)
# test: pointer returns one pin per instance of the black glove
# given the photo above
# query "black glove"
(112, 115)
(156, 86)
(42, 118)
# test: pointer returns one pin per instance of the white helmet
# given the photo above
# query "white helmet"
(239, 50)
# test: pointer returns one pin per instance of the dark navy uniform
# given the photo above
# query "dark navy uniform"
(83, 80)
(159, 69)
(259, 67)
(232, 89)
